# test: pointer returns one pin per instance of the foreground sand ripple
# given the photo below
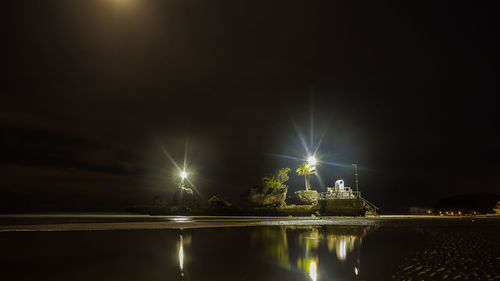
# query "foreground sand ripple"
(452, 254)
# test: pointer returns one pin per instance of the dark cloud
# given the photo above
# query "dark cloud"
(96, 89)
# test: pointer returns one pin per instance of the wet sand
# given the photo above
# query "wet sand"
(395, 248)
(95, 222)
(12, 223)
(454, 253)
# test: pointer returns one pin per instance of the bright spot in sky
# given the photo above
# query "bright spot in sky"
(311, 160)
(183, 174)
(312, 270)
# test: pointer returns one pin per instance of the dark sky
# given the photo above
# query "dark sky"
(93, 90)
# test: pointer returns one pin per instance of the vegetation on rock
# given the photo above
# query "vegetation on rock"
(184, 195)
(276, 181)
(217, 201)
(272, 190)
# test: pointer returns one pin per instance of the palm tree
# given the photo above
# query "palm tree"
(305, 170)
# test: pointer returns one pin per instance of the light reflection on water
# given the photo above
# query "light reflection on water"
(317, 252)
(247, 253)
(314, 250)
(312, 270)
(181, 254)
(180, 245)
(181, 219)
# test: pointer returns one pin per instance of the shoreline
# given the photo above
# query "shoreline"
(145, 222)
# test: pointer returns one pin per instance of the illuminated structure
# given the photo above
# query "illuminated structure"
(339, 200)
(342, 200)
(340, 191)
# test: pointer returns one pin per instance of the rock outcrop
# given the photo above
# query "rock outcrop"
(184, 195)
(273, 197)
(271, 192)
(308, 197)
(217, 201)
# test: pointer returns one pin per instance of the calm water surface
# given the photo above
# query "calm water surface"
(381, 251)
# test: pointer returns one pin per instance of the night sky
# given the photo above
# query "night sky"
(94, 92)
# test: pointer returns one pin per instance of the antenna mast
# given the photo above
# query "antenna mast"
(356, 176)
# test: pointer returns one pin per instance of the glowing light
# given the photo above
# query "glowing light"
(356, 271)
(181, 219)
(341, 249)
(311, 160)
(181, 255)
(312, 270)
(183, 174)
